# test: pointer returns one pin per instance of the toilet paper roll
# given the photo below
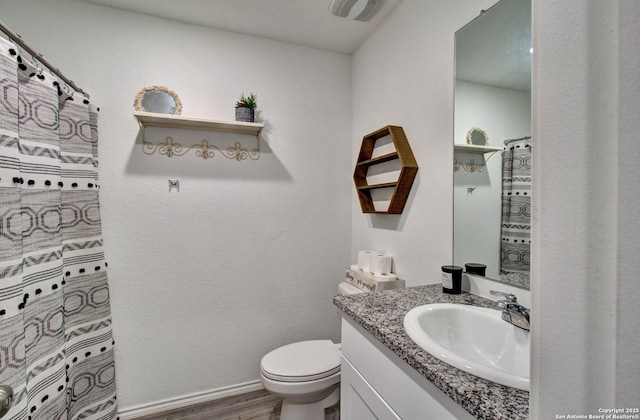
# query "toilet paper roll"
(385, 277)
(364, 260)
(380, 264)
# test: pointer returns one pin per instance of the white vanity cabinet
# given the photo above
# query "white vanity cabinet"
(377, 384)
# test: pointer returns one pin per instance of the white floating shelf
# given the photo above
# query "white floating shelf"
(150, 119)
(474, 148)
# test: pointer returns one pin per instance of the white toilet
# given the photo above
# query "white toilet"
(306, 374)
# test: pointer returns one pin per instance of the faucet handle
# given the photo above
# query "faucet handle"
(513, 312)
(510, 297)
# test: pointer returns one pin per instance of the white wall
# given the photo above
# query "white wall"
(477, 215)
(403, 75)
(628, 293)
(248, 255)
(502, 113)
(585, 237)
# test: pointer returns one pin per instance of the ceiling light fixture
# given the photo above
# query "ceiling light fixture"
(361, 10)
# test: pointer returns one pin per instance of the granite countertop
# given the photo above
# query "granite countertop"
(382, 315)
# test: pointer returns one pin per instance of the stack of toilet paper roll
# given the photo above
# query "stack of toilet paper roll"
(373, 272)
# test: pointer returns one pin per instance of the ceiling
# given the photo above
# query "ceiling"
(303, 22)
(492, 50)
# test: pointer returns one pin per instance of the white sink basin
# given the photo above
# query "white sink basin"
(473, 339)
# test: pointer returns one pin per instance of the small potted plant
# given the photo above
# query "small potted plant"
(245, 108)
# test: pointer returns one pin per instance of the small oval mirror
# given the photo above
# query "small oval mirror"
(158, 99)
(478, 137)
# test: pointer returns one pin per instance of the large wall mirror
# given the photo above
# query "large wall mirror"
(492, 181)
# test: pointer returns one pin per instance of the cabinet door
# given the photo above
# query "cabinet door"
(359, 401)
(408, 394)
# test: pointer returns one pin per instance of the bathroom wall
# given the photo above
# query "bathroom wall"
(403, 75)
(585, 291)
(628, 223)
(477, 214)
(248, 255)
(502, 113)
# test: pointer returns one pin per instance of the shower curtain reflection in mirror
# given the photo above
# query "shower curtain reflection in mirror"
(515, 242)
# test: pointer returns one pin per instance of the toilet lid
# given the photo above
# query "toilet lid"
(345, 288)
(302, 361)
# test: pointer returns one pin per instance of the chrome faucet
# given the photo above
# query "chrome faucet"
(513, 312)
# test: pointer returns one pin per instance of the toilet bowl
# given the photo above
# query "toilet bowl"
(306, 375)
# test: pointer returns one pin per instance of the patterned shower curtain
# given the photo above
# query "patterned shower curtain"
(516, 212)
(56, 346)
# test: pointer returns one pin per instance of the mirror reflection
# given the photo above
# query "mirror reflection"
(492, 207)
(477, 136)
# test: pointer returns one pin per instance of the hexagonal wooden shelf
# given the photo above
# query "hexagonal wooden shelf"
(408, 170)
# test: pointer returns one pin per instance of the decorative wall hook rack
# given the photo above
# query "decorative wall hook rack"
(470, 166)
(203, 149)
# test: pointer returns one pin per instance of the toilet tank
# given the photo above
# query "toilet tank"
(345, 288)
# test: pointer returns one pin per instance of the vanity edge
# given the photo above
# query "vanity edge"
(382, 314)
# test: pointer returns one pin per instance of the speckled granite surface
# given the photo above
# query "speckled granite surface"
(382, 314)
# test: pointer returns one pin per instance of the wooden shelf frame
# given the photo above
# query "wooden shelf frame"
(408, 170)
(377, 186)
(380, 159)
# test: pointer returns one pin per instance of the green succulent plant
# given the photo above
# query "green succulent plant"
(248, 101)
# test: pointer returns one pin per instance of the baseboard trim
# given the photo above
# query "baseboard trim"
(177, 403)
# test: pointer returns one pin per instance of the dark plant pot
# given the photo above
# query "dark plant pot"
(244, 114)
